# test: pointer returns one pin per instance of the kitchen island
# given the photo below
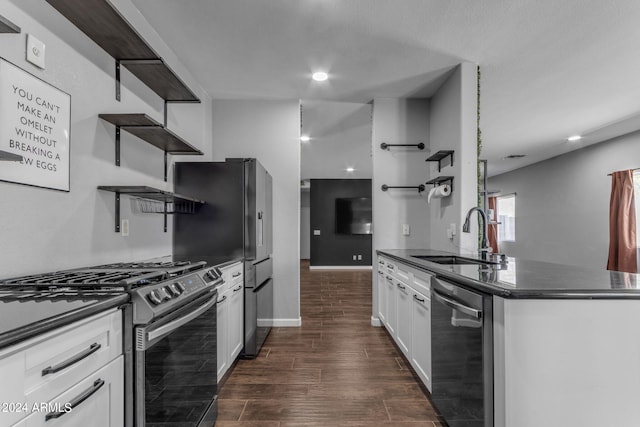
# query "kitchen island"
(561, 342)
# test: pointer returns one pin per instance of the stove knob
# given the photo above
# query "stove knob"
(168, 293)
(175, 291)
(212, 274)
(181, 288)
(154, 297)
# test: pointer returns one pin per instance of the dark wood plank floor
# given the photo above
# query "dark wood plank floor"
(335, 370)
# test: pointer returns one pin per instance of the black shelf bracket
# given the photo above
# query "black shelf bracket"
(117, 213)
(441, 180)
(166, 165)
(440, 156)
(118, 80)
(117, 145)
(420, 187)
(386, 146)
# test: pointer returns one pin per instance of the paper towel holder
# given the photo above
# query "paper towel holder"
(385, 146)
(441, 180)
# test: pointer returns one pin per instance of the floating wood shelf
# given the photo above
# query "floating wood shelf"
(439, 180)
(149, 130)
(439, 156)
(7, 26)
(5, 156)
(106, 27)
(150, 193)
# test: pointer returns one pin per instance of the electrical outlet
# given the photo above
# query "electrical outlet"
(452, 227)
(316, 232)
(124, 227)
(35, 51)
(405, 229)
(359, 257)
(354, 257)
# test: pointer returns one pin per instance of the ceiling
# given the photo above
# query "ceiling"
(549, 69)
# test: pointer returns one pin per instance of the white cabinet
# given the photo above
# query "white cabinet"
(230, 317)
(421, 337)
(58, 366)
(404, 309)
(391, 311)
(95, 401)
(404, 304)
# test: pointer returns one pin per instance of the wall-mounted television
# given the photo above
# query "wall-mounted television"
(353, 215)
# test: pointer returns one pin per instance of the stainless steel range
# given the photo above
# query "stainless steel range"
(173, 334)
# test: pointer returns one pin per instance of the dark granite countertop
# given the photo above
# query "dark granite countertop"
(521, 278)
(23, 316)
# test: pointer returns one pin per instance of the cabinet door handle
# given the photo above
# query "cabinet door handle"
(237, 289)
(78, 400)
(72, 360)
(380, 272)
(389, 279)
(418, 299)
(401, 287)
(236, 274)
(222, 300)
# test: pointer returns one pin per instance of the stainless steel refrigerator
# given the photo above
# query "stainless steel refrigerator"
(235, 221)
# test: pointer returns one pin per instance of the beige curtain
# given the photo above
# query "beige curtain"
(622, 224)
(493, 228)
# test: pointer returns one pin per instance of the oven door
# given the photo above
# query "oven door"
(176, 367)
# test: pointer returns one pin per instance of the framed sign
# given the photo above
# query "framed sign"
(35, 122)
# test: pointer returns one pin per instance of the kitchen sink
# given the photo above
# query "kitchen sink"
(450, 260)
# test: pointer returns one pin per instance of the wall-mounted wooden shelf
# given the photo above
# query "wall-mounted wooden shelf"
(150, 193)
(5, 156)
(106, 27)
(439, 156)
(440, 180)
(149, 130)
(7, 26)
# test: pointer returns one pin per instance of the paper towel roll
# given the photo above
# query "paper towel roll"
(439, 191)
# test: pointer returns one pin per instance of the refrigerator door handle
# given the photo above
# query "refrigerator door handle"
(260, 228)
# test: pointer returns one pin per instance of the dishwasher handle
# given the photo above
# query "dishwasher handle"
(451, 303)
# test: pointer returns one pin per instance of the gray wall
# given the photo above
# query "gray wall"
(305, 225)
(330, 248)
(44, 230)
(270, 131)
(562, 204)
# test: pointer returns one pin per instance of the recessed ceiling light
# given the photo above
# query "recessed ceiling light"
(574, 138)
(305, 138)
(514, 156)
(320, 76)
(350, 169)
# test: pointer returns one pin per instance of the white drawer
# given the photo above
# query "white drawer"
(40, 368)
(104, 407)
(233, 273)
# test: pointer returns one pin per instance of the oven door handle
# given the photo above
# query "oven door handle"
(172, 326)
(476, 314)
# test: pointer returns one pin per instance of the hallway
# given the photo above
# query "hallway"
(335, 370)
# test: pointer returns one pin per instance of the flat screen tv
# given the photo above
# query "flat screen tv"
(353, 215)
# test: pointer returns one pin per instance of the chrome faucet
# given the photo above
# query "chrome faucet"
(485, 249)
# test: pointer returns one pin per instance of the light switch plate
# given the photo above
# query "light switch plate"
(405, 229)
(316, 232)
(35, 51)
(124, 227)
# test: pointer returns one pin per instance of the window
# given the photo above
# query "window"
(506, 212)
(636, 197)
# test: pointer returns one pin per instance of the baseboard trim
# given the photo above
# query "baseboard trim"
(340, 267)
(281, 323)
(375, 322)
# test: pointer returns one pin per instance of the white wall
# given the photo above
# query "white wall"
(454, 127)
(562, 204)
(270, 131)
(44, 230)
(400, 121)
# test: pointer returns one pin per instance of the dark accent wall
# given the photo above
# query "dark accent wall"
(329, 248)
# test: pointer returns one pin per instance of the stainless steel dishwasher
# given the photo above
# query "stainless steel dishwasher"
(462, 354)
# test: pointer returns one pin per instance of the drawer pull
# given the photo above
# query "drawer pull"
(389, 279)
(77, 401)
(380, 272)
(401, 287)
(236, 274)
(222, 300)
(237, 289)
(73, 360)
(418, 299)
